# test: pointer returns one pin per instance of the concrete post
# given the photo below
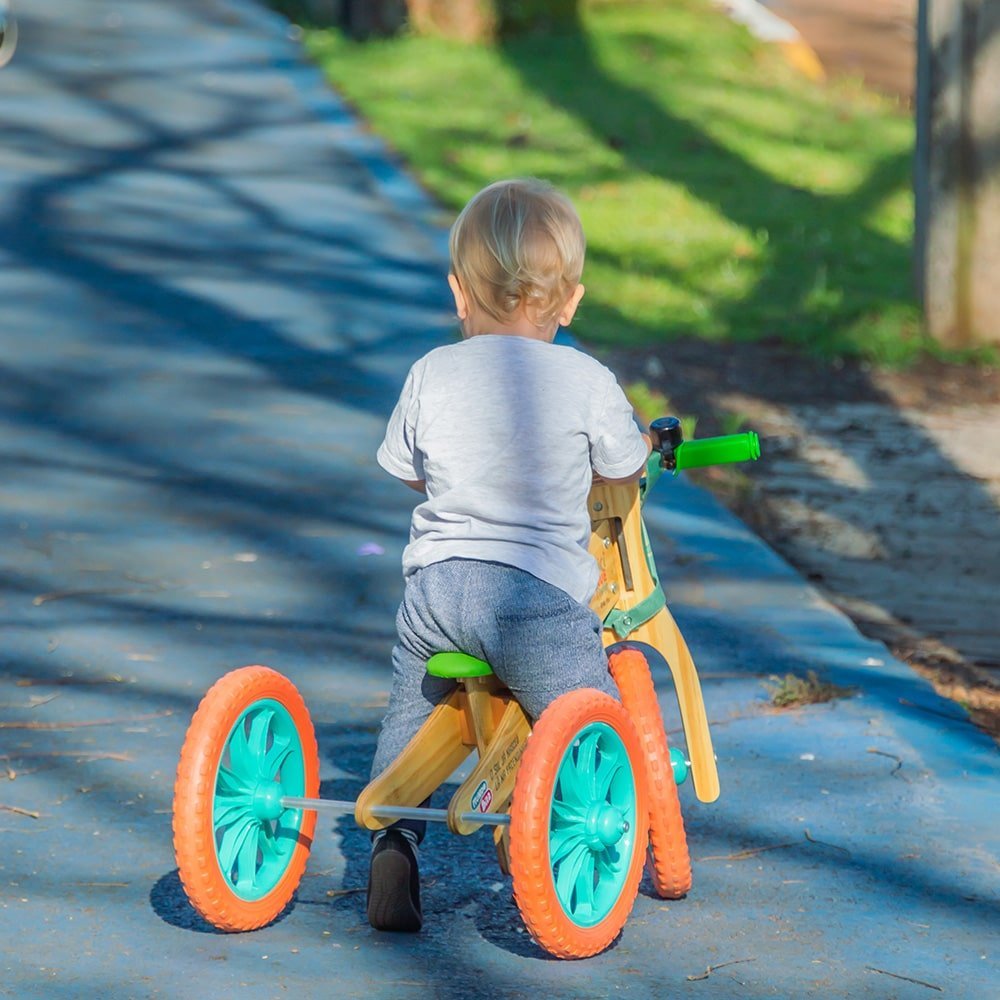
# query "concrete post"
(957, 238)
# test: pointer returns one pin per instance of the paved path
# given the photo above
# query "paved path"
(212, 283)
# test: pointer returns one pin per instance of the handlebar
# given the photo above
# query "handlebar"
(717, 451)
(671, 451)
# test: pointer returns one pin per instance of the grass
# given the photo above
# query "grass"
(791, 691)
(724, 196)
(649, 404)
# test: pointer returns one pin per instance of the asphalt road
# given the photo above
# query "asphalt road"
(212, 283)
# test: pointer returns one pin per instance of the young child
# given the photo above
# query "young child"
(504, 431)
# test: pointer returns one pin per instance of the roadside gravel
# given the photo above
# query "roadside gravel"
(881, 487)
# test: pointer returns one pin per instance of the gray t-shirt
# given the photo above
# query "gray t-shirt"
(506, 430)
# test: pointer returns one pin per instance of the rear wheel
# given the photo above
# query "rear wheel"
(669, 861)
(241, 855)
(579, 820)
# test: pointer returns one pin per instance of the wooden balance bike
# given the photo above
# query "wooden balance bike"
(574, 800)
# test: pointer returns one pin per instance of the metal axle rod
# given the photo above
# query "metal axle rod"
(395, 812)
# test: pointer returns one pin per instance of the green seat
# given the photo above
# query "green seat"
(457, 665)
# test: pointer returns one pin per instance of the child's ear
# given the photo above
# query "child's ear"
(569, 310)
(461, 305)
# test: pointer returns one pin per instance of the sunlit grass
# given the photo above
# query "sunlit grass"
(723, 195)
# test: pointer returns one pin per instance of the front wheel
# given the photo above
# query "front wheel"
(579, 822)
(670, 863)
(240, 854)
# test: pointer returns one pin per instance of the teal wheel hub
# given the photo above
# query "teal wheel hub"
(267, 800)
(679, 765)
(605, 826)
(592, 824)
(254, 836)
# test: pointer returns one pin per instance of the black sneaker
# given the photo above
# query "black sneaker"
(394, 885)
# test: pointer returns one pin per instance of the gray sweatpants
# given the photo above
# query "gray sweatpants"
(539, 641)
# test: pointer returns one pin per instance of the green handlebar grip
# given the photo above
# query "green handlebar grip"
(718, 450)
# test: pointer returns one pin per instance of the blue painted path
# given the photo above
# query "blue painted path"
(212, 281)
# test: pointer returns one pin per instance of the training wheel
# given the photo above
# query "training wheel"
(579, 822)
(240, 855)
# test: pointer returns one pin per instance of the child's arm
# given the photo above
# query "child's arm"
(635, 475)
(398, 453)
(618, 448)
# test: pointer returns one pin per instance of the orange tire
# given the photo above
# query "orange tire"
(579, 823)
(240, 855)
(670, 863)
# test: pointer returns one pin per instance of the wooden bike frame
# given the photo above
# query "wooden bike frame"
(481, 714)
(619, 545)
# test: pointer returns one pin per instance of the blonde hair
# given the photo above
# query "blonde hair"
(518, 243)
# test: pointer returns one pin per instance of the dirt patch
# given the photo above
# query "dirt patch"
(875, 42)
(881, 488)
